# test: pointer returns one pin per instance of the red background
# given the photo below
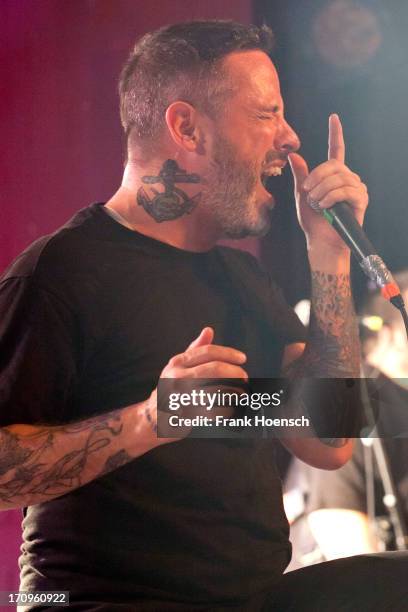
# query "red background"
(61, 136)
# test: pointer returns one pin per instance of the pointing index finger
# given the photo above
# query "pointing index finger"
(337, 149)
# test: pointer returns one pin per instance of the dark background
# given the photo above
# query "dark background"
(371, 96)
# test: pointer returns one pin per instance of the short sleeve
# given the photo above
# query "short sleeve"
(37, 358)
(263, 298)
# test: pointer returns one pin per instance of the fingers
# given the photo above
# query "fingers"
(207, 369)
(217, 369)
(299, 169)
(203, 361)
(337, 149)
(328, 169)
(352, 195)
(212, 352)
(342, 180)
(206, 361)
(336, 156)
(206, 337)
(332, 181)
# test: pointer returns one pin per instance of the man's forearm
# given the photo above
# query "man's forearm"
(332, 351)
(39, 463)
(333, 348)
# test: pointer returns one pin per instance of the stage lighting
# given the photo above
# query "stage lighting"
(346, 34)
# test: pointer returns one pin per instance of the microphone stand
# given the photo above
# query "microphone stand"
(376, 447)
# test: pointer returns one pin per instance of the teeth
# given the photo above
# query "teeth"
(275, 171)
(272, 171)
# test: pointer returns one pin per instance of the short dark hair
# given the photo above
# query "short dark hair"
(181, 61)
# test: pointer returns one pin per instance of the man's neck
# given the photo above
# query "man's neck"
(190, 231)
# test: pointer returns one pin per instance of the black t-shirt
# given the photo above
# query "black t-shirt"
(88, 319)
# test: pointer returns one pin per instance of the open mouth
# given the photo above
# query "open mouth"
(266, 175)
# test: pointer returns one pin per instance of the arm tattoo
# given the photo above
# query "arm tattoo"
(173, 202)
(333, 349)
(46, 462)
(116, 461)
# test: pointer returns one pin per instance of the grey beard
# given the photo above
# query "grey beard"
(229, 195)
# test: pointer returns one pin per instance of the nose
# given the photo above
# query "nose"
(287, 140)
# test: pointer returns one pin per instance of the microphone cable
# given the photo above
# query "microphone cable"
(398, 302)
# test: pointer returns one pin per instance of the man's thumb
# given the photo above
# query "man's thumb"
(206, 337)
(299, 169)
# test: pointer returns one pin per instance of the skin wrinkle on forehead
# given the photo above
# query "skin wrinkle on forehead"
(261, 75)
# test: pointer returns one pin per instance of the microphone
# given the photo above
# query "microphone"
(348, 228)
(346, 225)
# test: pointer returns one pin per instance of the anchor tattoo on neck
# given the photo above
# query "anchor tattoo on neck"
(173, 202)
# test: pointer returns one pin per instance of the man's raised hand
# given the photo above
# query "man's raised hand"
(327, 184)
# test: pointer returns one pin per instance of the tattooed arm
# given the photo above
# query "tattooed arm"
(332, 351)
(38, 463)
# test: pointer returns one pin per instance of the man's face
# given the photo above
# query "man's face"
(251, 141)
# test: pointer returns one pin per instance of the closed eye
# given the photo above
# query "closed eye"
(269, 112)
(265, 116)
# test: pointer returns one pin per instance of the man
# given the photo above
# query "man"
(136, 289)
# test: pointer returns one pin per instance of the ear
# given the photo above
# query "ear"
(181, 119)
